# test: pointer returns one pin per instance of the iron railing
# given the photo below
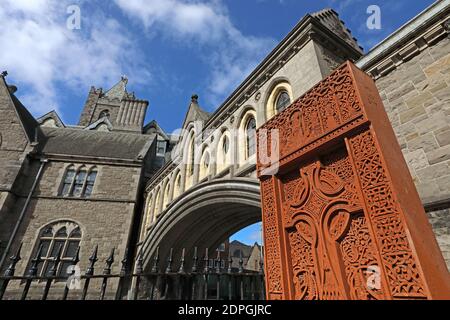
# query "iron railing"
(200, 281)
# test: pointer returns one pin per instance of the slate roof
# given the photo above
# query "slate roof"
(113, 145)
(29, 123)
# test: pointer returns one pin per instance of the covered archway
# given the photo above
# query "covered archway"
(203, 217)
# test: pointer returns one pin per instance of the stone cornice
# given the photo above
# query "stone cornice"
(93, 160)
(424, 30)
(309, 28)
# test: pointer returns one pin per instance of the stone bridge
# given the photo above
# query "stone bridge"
(208, 189)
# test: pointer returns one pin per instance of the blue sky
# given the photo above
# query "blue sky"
(168, 49)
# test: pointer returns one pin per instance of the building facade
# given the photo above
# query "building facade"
(114, 182)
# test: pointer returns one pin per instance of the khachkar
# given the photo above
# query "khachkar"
(342, 218)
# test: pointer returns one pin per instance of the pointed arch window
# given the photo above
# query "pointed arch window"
(60, 237)
(78, 183)
(68, 181)
(250, 132)
(90, 181)
(191, 156)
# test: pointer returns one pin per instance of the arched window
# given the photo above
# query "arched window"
(67, 181)
(223, 154)
(104, 114)
(191, 156)
(204, 165)
(166, 196)
(225, 145)
(157, 204)
(250, 133)
(282, 101)
(177, 186)
(148, 211)
(64, 236)
(78, 183)
(90, 181)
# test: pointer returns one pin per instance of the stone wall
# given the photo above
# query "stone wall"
(417, 99)
(105, 218)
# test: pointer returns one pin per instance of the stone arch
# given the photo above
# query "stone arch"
(204, 217)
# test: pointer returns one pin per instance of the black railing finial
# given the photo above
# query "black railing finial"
(218, 261)
(170, 261)
(109, 262)
(181, 270)
(241, 262)
(195, 260)
(93, 259)
(140, 263)
(155, 261)
(14, 260)
(35, 262)
(206, 260)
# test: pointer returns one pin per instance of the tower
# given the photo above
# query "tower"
(117, 106)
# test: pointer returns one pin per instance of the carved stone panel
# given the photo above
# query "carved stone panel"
(341, 216)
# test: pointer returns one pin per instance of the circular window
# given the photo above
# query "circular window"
(283, 100)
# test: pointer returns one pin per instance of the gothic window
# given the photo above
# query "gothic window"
(191, 156)
(104, 114)
(177, 187)
(283, 100)
(204, 167)
(90, 181)
(64, 237)
(225, 145)
(67, 181)
(250, 132)
(78, 183)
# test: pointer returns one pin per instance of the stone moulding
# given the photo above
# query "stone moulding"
(342, 218)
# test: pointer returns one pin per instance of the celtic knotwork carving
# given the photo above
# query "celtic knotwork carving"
(273, 268)
(349, 222)
(324, 108)
(402, 272)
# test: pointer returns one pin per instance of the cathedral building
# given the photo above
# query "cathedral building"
(114, 182)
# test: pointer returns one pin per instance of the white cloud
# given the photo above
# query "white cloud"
(230, 54)
(41, 53)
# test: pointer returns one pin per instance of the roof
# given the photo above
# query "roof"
(90, 143)
(28, 121)
(195, 112)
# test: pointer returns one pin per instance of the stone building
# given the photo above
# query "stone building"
(71, 186)
(114, 182)
(210, 185)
